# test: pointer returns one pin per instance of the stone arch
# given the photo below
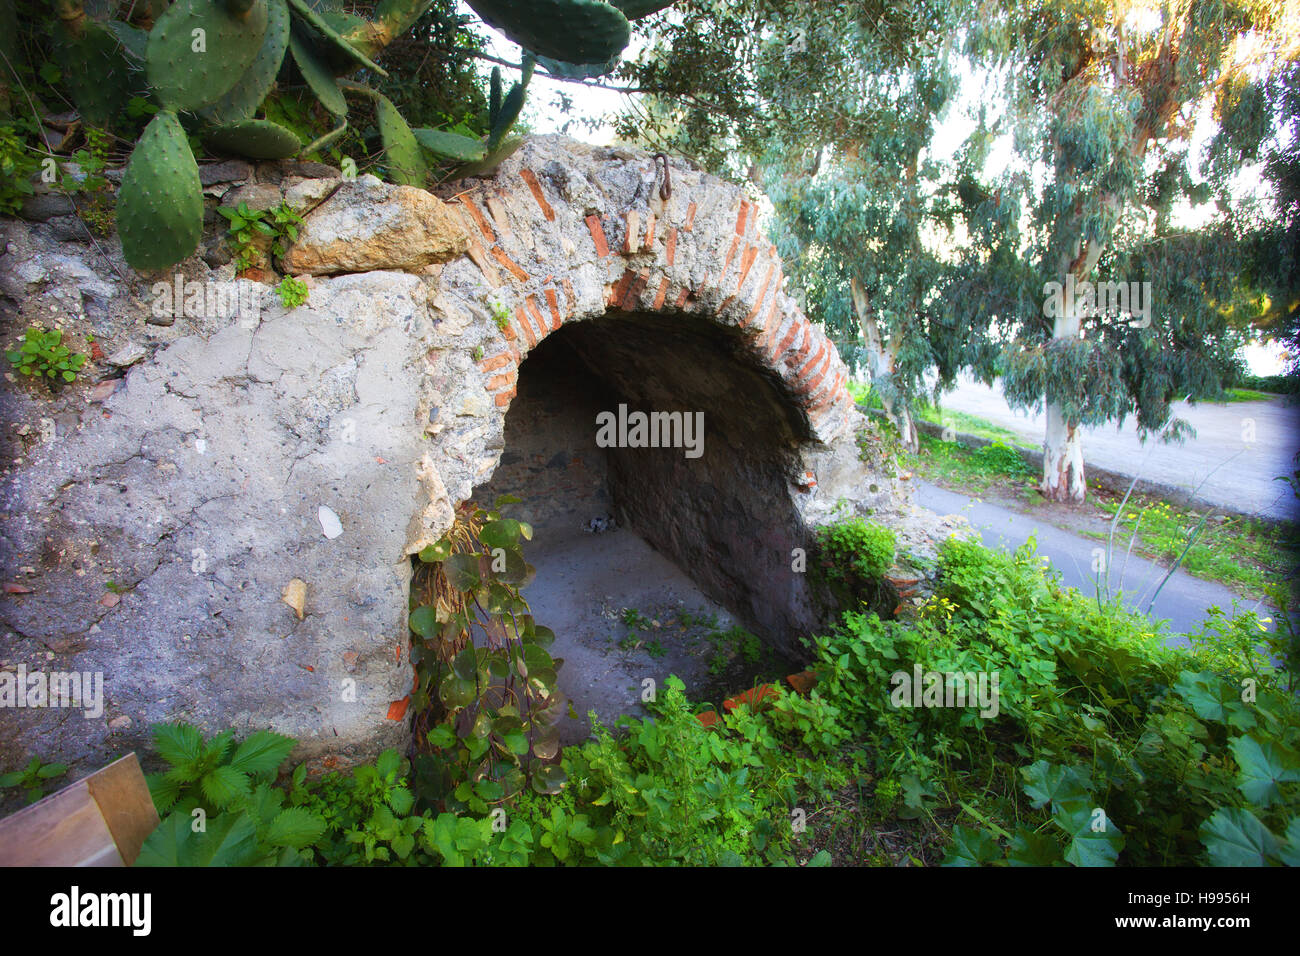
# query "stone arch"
(599, 215)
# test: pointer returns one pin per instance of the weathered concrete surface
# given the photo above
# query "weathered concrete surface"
(154, 513)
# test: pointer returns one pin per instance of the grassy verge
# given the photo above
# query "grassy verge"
(1240, 552)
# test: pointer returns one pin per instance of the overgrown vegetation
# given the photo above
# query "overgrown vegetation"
(1099, 745)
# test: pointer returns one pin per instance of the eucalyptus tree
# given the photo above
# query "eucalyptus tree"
(832, 108)
(1103, 102)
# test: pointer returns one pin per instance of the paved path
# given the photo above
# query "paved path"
(1182, 601)
(1245, 468)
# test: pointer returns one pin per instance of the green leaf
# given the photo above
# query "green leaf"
(462, 571)
(424, 621)
(296, 828)
(181, 745)
(1234, 837)
(1051, 783)
(223, 786)
(549, 779)
(262, 753)
(971, 848)
(1264, 764)
(438, 551)
(500, 534)
(1095, 840)
(1028, 848)
(230, 840)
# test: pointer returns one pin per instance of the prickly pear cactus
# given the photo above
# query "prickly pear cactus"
(575, 31)
(405, 163)
(98, 74)
(160, 203)
(256, 139)
(243, 99)
(317, 74)
(198, 50)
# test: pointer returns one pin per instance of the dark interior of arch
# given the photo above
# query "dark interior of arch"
(725, 518)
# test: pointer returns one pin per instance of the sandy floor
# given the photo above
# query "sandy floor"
(583, 583)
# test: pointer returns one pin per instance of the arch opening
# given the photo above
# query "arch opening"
(705, 528)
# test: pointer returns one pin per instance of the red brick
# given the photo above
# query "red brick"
(661, 294)
(568, 290)
(527, 176)
(554, 305)
(809, 387)
(505, 378)
(509, 263)
(494, 362)
(620, 288)
(534, 310)
(681, 299)
(740, 219)
(671, 244)
(650, 233)
(522, 319)
(690, 218)
(813, 362)
(633, 297)
(762, 293)
(478, 218)
(786, 342)
(726, 263)
(503, 398)
(598, 235)
(746, 263)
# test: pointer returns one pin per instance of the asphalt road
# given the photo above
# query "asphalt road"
(1238, 451)
(1182, 601)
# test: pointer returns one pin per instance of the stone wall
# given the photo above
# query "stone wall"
(155, 511)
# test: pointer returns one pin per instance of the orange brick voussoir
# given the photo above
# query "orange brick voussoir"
(535, 188)
(598, 235)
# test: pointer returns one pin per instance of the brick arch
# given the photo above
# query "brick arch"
(566, 232)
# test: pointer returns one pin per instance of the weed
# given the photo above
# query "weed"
(292, 292)
(42, 354)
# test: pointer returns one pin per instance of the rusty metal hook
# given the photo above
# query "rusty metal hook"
(666, 190)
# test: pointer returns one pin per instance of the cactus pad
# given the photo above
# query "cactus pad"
(97, 70)
(332, 37)
(160, 203)
(405, 163)
(576, 31)
(488, 164)
(256, 139)
(246, 96)
(462, 149)
(186, 79)
(316, 73)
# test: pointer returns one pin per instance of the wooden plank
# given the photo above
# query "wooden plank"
(123, 797)
(102, 820)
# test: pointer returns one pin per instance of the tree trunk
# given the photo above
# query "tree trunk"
(880, 366)
(1063, 478)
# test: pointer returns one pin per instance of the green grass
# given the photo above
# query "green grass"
(1244, 395)
(962, 422)
(956, 464)
(1236, 551)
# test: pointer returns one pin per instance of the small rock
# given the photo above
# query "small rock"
(231, 171)
(119, 723)
(165, 319)
(102, 390)
(295, 594)
(127, 355)
(111, 600)
(329, 522)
